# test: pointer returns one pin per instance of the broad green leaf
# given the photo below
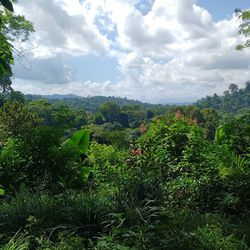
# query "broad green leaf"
(1, 191)
(221, 133)
(81, 140)
(85, 172)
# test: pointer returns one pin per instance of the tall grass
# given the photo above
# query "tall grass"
(39, 213)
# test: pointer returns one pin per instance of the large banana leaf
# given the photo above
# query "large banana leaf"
(80, 139)
(221, 132)
(1, 190)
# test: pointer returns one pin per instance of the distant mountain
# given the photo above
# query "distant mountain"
(61, 97)
(91, 104)
(52, 97)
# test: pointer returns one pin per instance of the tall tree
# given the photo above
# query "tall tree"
(110, 111)
(16, 119)
(13, 29)
(233, 88)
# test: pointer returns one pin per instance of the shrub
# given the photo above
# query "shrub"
(38, 213)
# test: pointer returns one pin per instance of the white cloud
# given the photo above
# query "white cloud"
(193, 55)
(62, 28)
(171, 50)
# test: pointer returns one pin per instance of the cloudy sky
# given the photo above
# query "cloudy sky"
(161, 51)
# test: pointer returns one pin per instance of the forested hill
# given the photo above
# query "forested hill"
(93, 103)
(233, 100)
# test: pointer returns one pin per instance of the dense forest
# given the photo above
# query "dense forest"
(233, 100)
(113, 173)
(90, 104)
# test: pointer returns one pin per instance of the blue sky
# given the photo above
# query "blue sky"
(221, 9)
(96, 68)
(157, 51)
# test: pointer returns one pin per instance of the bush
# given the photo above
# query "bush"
(38, 213)
(107, 164)
(39, 162)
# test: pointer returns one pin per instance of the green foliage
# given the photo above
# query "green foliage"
(107, 242)
(17, 242)
(234, 100)
(221, 132)
(183, 184)
(16, 119)
(110, 111)
(111, 134)
(38, 161)
(16, 96)
(9, 164)
(33, 213)
(1, 191)
(180, 182)
(57, 115)
(244, 30)
(120, 139)
(129, 113)
(235, 133)
(29, 212)
(164, 146)
(6, 60)
(107, 165)
(80, 140)
(65, 241)
(12, 28)
(212, 238)
(91, 104)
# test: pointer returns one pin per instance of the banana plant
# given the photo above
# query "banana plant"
(80, 140)
(2, 192)
(221, 132)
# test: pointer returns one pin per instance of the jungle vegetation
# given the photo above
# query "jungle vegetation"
(122, 175)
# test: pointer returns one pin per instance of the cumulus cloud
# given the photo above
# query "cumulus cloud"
(166, 50)
(195, 55)
(62, 28)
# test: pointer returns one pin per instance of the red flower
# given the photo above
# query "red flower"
(143, 129)
(195, 121)
(178, 114)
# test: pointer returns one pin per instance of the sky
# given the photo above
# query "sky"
(158, 51)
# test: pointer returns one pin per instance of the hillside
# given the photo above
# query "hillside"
(111, 173)
(233, 100)
(93, 103)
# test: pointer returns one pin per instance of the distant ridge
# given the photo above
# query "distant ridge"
(52, 97)
(72, 96)
(91, 104)
(233, 100)
(106, 98)
(61, 97)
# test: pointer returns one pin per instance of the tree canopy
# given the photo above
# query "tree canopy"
(233, 100)
(244, 30)
(13, 29)
(110, 173)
